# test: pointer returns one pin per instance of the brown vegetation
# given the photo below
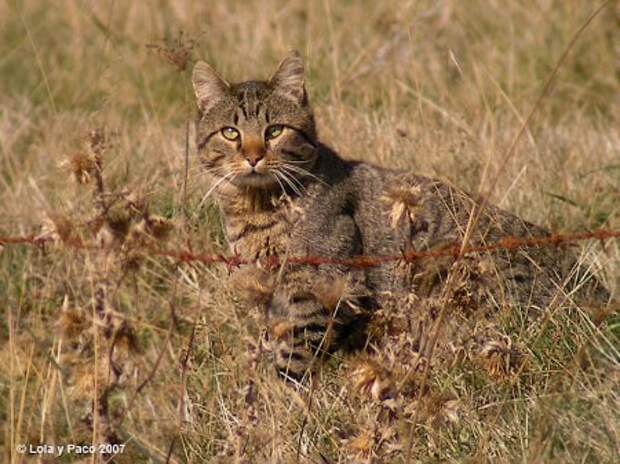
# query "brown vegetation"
(112, 333)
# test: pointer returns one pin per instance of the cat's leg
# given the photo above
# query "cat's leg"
(311, 315)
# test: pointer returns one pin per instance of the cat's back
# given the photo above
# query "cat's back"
(399, 211)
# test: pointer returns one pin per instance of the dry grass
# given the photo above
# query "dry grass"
(168, 353)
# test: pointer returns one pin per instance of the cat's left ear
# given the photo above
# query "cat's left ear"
(209, 87)
(288, 80)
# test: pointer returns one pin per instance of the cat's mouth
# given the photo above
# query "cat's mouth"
(255, 179)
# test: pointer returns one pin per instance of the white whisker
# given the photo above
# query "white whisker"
(287, 179)
(304, 172)
(288, 182)
(275, 176)
(222, 179)
(282, 168)
(297, 161)
(294, 179)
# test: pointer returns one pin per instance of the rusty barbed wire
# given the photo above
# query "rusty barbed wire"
(24, 240)
(363, 261)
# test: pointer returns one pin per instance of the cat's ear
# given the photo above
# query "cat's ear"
(288, 80)
(208, 86)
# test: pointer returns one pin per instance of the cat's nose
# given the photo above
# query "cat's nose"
(254, 158)
(253, 151)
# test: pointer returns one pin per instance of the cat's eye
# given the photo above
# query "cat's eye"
(230, 133)
(273, 131)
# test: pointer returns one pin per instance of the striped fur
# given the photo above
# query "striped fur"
(289, 195)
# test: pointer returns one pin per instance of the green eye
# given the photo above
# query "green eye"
(230, 133)
(273, 131)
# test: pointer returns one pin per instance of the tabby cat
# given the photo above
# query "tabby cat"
(283, 193)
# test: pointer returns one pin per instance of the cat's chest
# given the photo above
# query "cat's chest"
(256, 233)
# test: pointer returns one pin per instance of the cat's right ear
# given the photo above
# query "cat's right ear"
(288, 80)
(208, 86)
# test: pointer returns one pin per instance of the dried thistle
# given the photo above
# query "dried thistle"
(125, 338)
(118, 220)
(362, 444)
(177, 51)
(255, 284)
(436, 409)
(148, 230)
(158, 227)
(371, 379)
(72, 321)
(405, 203)
(442, 409)
(330, 293)
(59, 228)
(82, 165)
(500, 358)
(105, 237)
(99, 140)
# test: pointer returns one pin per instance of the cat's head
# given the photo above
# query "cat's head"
(258, 134)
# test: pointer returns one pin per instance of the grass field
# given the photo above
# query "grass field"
(166, 351)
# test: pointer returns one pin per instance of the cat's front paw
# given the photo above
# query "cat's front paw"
(295, 356)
